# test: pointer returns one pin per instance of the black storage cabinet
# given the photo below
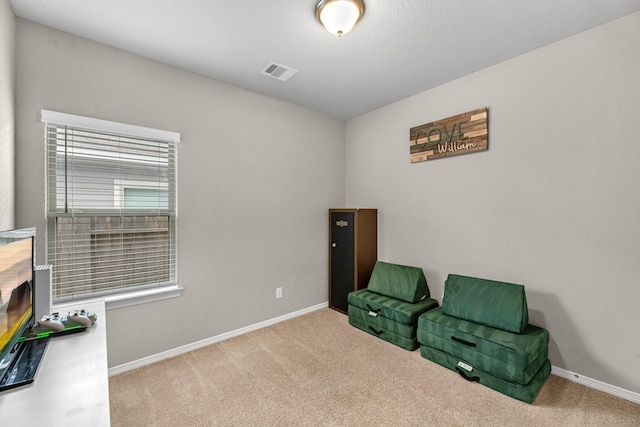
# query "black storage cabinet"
(353, 251)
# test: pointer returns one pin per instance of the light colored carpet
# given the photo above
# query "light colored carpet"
(317, 370)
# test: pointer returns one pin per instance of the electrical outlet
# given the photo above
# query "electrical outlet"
(278, 292)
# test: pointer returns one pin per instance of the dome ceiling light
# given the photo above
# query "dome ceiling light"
(339, 16)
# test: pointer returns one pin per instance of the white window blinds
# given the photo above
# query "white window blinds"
(111, 206)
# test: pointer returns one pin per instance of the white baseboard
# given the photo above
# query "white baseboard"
(203, 343)
(571, 376)
(595, 384)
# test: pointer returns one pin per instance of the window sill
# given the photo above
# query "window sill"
(129, 299)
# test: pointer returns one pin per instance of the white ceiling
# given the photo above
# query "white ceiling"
(398, 49)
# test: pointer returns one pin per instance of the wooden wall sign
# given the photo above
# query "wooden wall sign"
(461, 134)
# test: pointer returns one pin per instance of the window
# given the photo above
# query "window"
(111, 206)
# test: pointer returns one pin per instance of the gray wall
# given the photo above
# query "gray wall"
(553, 204)
(256, 178)
(7, 106)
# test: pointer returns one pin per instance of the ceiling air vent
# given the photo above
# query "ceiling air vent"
(278, 71)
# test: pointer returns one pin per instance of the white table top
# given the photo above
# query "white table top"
(72, 383)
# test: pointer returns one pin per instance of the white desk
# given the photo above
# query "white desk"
(72, 384)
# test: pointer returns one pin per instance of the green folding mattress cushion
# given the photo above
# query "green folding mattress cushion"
(500, 305)
(364, 324)
(526, 393)
(390, 308)
(511, 357)
(398, 281)
(382, 323)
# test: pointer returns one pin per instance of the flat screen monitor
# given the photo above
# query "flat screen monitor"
(19, 358)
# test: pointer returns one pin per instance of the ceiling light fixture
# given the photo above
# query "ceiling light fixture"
(339, 16)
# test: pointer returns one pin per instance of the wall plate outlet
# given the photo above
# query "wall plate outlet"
(278, 292)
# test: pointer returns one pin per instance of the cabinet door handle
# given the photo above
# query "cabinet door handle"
(333, 245)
